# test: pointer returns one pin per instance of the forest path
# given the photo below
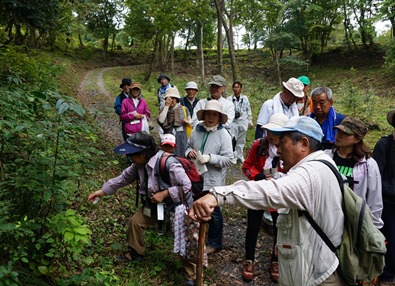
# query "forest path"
(225, 266)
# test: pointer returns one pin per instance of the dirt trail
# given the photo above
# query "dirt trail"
(226, 265)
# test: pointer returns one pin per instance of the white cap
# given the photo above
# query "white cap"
(191, 85)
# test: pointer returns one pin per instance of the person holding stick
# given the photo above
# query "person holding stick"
(309, 185)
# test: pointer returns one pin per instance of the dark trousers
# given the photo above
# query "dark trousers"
(254, 219)
(216, 225)
(388, 230)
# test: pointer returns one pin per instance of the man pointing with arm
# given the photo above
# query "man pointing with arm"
(304, 258)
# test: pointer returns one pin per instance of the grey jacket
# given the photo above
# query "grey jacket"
(219, 146)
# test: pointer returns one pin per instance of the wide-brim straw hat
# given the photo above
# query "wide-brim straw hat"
(213, 105)
(172, 92)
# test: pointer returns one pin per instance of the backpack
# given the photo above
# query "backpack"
(190, 170)
(362, 248)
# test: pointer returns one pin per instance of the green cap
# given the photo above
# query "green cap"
(304, 79)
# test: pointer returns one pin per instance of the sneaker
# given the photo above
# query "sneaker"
(248, 272)
(274, 271)
(211, 250)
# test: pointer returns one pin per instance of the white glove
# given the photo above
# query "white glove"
(203, 159)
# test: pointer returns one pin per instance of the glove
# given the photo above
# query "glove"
(259, 177)
(203, 159)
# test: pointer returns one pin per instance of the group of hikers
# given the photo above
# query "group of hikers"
(294, 130)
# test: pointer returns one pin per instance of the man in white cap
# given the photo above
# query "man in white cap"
(282, 102)
(309, 185)
(190, 100)
(217, 86)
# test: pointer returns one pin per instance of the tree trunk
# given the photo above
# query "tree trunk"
(153, 56)
(229, 35)
(172, 53)
(186, 52)
(80, 40)
(346, 24)
(218, 6)
(202, 71)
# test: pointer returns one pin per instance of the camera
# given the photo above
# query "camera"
(237, 114)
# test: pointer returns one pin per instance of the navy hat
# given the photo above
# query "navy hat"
(163, 76)
(126, 80)
(129, 148)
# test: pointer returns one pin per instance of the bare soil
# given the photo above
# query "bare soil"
(225, 266)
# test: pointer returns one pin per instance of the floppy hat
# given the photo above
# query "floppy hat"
(168, 139)
(129, 148)
(172, 92)
(303, 124)
(213, 105)
(277, 120)
(351, 125)
(304, 79)
(217, 80)
(125, 80)
(295, 86)
(135, 84)
(163, 76)
(390, 117)
(191, 85)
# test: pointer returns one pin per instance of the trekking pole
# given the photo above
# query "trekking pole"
(137, 192)
(200, 262)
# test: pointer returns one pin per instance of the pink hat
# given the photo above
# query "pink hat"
(168, 139)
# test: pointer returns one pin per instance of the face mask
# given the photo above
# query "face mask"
(300, 105)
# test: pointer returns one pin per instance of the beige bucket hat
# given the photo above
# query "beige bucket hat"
(213, 105)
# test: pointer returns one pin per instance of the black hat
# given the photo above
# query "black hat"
(163, 76)
(126, 80)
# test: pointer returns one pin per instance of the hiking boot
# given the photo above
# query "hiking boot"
(248, 272)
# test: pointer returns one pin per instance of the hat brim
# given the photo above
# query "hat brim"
(168, 143)
(216, 83)
(390, 117)
(166, 77)
(344, 129)
(126, 149)
(222, 119)
(297, 93)
(270, 126)
(281, 130)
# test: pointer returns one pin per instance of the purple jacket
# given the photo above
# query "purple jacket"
(127, 116)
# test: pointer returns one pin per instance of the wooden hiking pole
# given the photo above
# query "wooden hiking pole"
(200, 262)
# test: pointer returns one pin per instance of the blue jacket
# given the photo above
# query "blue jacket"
(118, 102)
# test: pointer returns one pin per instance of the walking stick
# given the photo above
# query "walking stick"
(200, 262)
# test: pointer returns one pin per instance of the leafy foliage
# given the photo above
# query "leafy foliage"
(40, 170)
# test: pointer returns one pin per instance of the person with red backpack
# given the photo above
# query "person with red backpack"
(156, 195)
